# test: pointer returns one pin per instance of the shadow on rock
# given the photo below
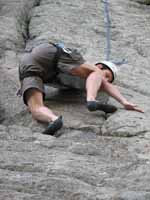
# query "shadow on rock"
(2, 114)
(65, 95)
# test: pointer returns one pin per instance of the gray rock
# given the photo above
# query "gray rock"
(147, 2)
(97, 156)
(2, 115)
(132, 195)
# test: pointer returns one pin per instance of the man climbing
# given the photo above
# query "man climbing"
(45, 64)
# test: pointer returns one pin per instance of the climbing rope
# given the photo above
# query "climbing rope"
(107, 23)
(107, 27)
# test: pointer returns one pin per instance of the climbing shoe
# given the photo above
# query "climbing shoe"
(94, 105)
(54, 126)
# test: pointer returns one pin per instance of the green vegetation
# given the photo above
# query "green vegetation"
(147, 2)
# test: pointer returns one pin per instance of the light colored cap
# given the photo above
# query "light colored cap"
(110, 66)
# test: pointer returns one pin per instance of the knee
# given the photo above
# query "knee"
(98, 71)
(36, 112)
(98, 74)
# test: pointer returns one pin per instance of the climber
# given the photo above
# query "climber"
(46, 62)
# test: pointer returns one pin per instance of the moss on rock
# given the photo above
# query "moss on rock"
(147, 2)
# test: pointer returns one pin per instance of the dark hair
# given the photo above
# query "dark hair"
(103, 66)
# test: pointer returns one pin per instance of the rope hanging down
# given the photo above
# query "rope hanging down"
(107, 22)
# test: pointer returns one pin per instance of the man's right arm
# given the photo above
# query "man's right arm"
(115, 93)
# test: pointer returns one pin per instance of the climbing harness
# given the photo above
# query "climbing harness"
(61, 46)
(107, 23)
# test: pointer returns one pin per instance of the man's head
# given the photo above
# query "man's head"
(108, 65)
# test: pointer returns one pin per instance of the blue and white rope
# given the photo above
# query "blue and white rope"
(107, 22)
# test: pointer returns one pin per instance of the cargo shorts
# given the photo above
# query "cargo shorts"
(37, 67)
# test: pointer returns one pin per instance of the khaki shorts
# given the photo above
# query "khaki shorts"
(36, 68)
(32, 82)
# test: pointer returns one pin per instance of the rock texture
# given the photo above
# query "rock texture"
(97, 156)
(147, 2)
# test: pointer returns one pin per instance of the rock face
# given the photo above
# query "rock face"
(97, 157)
(147, 2)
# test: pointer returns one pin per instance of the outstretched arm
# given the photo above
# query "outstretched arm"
(114, 92)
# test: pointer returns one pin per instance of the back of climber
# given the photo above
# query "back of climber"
(45, 64)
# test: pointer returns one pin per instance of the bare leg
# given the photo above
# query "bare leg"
(93, 77)
(93, 83)
(39, 111)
